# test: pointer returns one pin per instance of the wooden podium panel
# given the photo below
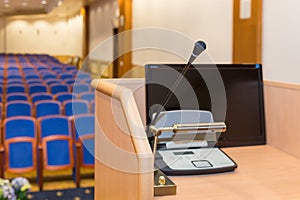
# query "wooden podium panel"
(123, 157)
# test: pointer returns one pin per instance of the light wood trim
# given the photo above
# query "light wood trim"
(247, 34)
(282, 110)
(120, 131)
(125, 40)
(85, 13)
(282, 85)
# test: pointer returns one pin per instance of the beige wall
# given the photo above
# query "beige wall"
(2, 35)
(102, 14)
(281, 40)
(209, 20)
(55, 36)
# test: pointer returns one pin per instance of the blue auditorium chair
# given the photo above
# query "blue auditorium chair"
(55, 145)
(34, 81)
(14, 76)
(86, 80)
(63, 96)
(49, 76)
(82, 75)
(84, 128)
(75, 107)
(19, 145)
(47, 107)
(56, 88)
(15, 81)
(17, 96)
(65, 75)
(10, 88)
(88, 96)
(35, 97)
(18, 108)
(69, 81)
(81, 87)
(34, 88)
(32, 76)
(53, 81)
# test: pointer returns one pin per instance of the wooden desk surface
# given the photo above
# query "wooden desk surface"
(263, 173)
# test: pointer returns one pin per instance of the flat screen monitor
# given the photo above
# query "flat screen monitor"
(240, 85)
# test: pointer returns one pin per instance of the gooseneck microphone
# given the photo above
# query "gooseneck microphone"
(199, 47)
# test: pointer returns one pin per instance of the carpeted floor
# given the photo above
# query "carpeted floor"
(67, 194)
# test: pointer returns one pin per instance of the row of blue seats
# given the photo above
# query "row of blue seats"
(53, 87)
(48, 107)
(52, 143)
(38, 96)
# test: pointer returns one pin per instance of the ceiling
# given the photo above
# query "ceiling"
(44, 7)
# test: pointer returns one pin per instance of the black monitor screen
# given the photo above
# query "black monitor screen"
(239, 90)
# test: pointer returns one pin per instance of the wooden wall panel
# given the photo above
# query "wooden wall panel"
(247, 34)
(125, 61)
(283, 116)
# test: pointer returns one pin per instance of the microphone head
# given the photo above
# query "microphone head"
(199, 47)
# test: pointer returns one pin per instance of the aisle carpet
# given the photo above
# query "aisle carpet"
(66, 194)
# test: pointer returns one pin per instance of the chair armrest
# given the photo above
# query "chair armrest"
(1, 148)
(1, 161)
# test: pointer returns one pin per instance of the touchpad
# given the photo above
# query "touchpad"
(201, 163)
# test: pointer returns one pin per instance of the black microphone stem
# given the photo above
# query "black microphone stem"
(173, 88)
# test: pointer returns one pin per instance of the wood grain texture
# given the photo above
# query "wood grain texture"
(124, 160)
(247, 34)
(282, 110)
(263, 173)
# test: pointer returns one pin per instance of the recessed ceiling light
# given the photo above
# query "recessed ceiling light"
(24, 3)
(59, 3)
(44, 2)
(5, 1)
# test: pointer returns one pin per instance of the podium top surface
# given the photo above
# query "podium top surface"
(264, 173)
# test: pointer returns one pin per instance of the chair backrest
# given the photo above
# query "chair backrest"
(88, 96)
(15, 81)
(53, 81)
(17, 96)
(34, 88)
(56, 140)
(15, 88)
(56, 88)
(34, 81)
(47, 107)
(83, 75)
(19, 127)
(54, 125)
(75, 107)
(20, 144)
(63, 96)
(32, 76)
(81, 87)
(84, 133)
(64, 76)
(69, 81)
(84, 125)
(18, 108)
(14, 76)
(35, 97)
(49, 76)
